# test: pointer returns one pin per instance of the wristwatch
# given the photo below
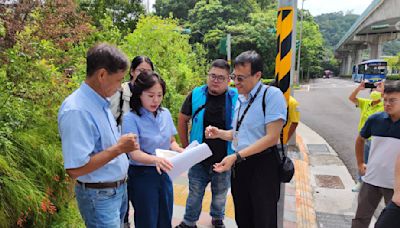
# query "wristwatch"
(239, 158)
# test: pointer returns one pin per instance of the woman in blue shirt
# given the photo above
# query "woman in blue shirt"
(150, 187)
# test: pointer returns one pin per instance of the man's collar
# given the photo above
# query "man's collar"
(386, 115)
(254, 90)
(242, 98)
(94, 95)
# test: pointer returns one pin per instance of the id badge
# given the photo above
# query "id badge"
(235, 139)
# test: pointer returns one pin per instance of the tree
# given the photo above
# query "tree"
(14, 16)
(266, 4)
(35, 74)
(209, 21)
(177, 8)
(333, 26)
(182, 66)
(124, 13)
(312, 51)
(391, 48)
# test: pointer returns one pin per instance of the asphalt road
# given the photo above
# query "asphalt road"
(325, 108)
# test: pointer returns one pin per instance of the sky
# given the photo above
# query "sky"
(317, 7)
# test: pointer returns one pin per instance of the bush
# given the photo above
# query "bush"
(267, 81)
(393, 77)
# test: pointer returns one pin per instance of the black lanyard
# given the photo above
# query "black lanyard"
(239, 122)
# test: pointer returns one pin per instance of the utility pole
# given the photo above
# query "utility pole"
(228, 48)
(148, 7)
(297, 81)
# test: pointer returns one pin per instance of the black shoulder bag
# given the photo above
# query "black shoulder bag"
(286, 166)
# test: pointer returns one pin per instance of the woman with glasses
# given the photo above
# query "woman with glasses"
(120, 100)
(149, 186)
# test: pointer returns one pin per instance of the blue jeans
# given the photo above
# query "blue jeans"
(367, 146)
(151, 196)
(199, 176)
(102, 207)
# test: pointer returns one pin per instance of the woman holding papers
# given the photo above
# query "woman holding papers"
(149, 186)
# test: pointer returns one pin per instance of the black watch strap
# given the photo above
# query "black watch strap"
(239, 158)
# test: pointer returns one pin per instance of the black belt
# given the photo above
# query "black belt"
(115, 184)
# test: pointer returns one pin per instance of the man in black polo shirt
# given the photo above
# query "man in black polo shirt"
(384, 128)
(210, 104)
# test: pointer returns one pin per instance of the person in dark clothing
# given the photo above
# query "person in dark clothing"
(210, 104)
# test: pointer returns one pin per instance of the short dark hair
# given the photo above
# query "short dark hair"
(105, 56)
(392, 87)
(143, 82)
(251, 57)
(222, 64)
(137, 61)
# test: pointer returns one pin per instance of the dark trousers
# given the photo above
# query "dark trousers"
(390, 217)
(255, 190)
(368, 200)
(152, 197)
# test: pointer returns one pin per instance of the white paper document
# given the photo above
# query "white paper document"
(182, 162)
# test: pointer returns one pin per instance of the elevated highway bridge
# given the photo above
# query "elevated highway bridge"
(378, 24)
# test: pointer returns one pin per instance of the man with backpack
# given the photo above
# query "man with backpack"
(256, 162)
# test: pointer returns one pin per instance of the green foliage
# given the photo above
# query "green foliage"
(333, 26)
(181, 65)
(393, 77)
(177, 8)
(124, 13)
(391, 48)
(2, 29)
(250, 28)
(33, 183)
(68, 216)
(315, 56)
(266, 81)
(217, 14)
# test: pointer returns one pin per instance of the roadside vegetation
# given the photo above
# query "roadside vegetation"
(42, 60)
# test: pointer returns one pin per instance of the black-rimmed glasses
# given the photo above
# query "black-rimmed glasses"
(218, 78)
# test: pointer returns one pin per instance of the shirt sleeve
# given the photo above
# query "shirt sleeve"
(187, 106)
(294, 113)
(362, 103)
(78, 138)
(275, 105)
(129, 124)
(366, 131)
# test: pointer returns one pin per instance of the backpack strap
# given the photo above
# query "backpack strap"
(281, 135)
(121, 103)
(263, 101)
(198, 110)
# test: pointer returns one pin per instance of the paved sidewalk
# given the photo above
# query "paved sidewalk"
(330, 181)
(319, 195)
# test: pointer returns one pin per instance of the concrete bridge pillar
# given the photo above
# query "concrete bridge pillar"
(357, 56)
(348, 64)
(343, 66)
(375, 50)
